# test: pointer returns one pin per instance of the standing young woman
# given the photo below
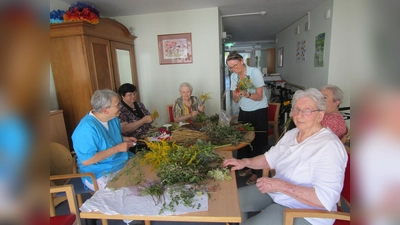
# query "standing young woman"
(253, 105)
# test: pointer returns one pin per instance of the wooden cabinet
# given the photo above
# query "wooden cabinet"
(85, 58)
(58, 132)
(271, 60)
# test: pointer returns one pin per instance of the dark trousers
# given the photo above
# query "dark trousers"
(259, 120)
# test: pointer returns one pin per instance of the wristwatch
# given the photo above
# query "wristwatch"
(249, 95)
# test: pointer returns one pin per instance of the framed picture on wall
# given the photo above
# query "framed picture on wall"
(175, 48)
(280, 57)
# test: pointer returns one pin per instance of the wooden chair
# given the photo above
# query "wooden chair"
(70, 219)
(170, 113)
(346, 138)
(273, 117)
(63, 171)
(341, 217)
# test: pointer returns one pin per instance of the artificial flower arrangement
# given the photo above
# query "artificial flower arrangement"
(82, 12)
(56, 16)
(77, 12)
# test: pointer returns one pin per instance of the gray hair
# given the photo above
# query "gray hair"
(336, 91)
(313, 94)
(185, 84)
(102, 98)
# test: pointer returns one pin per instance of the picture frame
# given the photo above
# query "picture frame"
(280, 57)
(175, 48)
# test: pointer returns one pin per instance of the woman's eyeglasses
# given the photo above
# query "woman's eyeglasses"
(118, 106)
(234, 66)
(305, 112)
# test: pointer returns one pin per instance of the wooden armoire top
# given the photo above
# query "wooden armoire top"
(107, 28)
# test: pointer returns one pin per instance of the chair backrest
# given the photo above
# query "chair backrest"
(170, 113)
(61, 160)
(346, 184)
(346, 137)
(273, 111)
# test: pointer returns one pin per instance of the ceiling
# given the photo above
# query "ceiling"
(243, 29)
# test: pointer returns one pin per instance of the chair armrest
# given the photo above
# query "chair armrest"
(290, 214)
(265, 172)
(70, 193)
(77, 175)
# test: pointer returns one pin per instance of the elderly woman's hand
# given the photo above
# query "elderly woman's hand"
(235, 163)
(201, 108)
(268, 185)
(243, 93)
(123, 147)
(194, 113)
(147, 119)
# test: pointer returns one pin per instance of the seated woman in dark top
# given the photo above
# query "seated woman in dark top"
(135, 119)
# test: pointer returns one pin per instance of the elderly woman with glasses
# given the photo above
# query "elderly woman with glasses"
(135, 119)
(333, 119)
(309, 162)
(97, 140)
(253, 105)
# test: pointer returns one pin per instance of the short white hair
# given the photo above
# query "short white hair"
(313, 94)
(185, 84)
(102, 98)
(336, 91)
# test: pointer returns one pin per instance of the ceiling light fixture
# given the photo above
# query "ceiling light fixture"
(262, 13)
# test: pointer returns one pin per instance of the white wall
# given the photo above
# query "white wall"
(159, 84)
(341, 55)
(305, 74)
(56, 4)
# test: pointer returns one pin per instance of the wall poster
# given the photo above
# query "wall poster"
(319, 50)
(175, 48)
(301, 51)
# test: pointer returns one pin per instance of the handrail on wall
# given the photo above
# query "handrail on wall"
(296, 86)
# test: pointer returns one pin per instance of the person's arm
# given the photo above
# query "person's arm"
(258, 162)
(236, 96)
(122, 147)
(306, 195)
(129, 127)
(258, 96)
(186, 117)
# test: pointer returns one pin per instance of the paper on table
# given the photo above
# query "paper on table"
(124, 201)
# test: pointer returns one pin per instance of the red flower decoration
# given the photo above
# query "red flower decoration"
(81, 15)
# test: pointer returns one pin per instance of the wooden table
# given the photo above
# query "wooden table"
(223, 206)
(249, 136)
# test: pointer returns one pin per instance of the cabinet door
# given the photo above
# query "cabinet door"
(124, 65)
(100, 66)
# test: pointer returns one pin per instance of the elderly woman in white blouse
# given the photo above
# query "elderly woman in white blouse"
(309, 161)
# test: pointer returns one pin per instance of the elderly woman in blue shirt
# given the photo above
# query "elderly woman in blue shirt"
(97, 140)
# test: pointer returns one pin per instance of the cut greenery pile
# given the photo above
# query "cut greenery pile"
(176, 166)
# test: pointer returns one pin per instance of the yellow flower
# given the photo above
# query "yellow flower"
(205, 97)
(154, 115)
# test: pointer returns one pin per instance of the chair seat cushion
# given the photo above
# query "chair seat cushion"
(63, 220)
(341, 222)
(79, 187)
